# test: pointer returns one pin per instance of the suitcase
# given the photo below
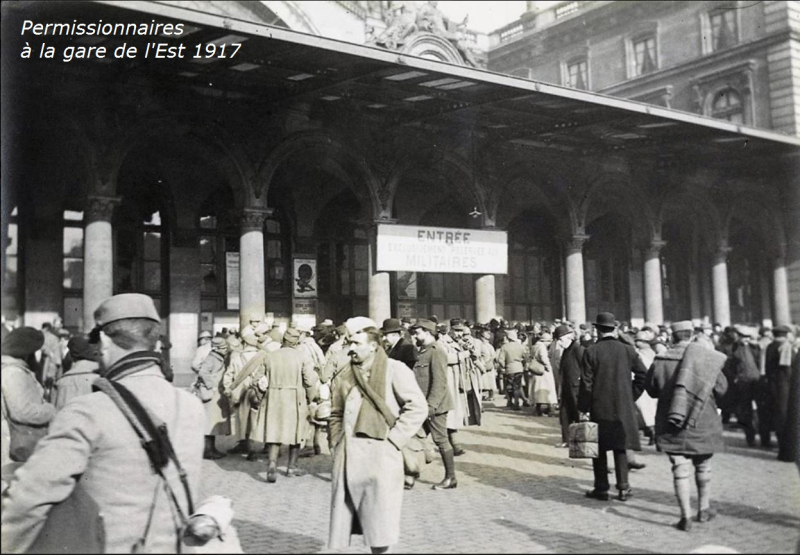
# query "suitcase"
(582, 439)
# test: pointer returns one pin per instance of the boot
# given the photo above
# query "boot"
(457, 449)
(449, 462)
(291, 469)
(209, 451)
(250, 450)
(272, 465)
(239, 448)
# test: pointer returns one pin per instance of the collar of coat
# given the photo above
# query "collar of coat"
(674, 353)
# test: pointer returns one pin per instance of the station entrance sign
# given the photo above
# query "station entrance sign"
(441, 249)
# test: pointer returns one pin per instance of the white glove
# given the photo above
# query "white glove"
(263, 384)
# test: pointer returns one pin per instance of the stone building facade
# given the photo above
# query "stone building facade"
(202, 182)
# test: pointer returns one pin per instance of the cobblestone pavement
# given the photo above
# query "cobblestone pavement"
(518, 493)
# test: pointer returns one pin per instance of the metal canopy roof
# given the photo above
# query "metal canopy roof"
(276, 67)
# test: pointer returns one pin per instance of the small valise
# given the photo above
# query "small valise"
(582, 438)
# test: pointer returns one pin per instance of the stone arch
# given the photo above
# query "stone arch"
(635, 205)
(234, 163)
(767, 221)
(444, 165)
(697, 203)
(432, 47)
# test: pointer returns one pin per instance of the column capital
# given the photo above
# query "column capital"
(100, 208)
(654, 248)
(721, 255)
(575, 243)
(253, 219)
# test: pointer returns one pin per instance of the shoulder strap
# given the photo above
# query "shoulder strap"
(248, 369)
(153, 435)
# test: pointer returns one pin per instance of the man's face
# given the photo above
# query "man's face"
(360, 348)
(392, 338)
(421, 337)
(566, 340)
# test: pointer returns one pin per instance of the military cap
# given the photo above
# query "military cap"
(219, 343)
(405, 320)
(425, 324)
(643, 336)
(205, 334)
(262, 329)
(126, 305)
(781, 330)
(561, 331)
(457, 324)
(391, 325)
(359, 323)
(291, 337)
(81, 349)
(744, 331)
(302, 327)
(683, 325)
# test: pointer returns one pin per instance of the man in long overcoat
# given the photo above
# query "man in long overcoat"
(398, 347)
(210, 373)
(376, 407)
(570, 370)
(778, 366)
(91, 440)
(288, 382)
(687, 380)
(608, 394)
(236, 382)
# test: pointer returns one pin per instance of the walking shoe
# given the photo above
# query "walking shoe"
(213, 455)
(458, 451)
(599, 495)
(447, 483)
(706, 514)
(636, 465)
(252, 456)
(409, 482)
(624, 494)
(295, 472)
(684, 524)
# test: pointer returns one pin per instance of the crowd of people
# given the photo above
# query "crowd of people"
(384, 395)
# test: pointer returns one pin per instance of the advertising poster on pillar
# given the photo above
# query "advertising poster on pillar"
(232, 280)
(304, 278)
(404, 248)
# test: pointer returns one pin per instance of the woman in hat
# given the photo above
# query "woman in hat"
(25, 413)
(82, 373)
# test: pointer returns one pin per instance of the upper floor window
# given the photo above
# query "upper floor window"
(645, 57)
(723, 29)
(578, 74)
(727, 104)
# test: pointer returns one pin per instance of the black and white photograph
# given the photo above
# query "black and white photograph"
(400, 276)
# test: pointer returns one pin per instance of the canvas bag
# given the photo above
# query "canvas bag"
(23, 437)
(583, 440)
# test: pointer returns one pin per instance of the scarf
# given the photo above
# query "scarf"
(374, 418)
(133, 363)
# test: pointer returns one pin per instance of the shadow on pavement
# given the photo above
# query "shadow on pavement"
(561, 542)
(252, 535)
(525, 456)
(530, 438)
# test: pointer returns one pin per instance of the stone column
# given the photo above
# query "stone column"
(719, 283)
(252, 284)
(780, 287)
(576, 295)
(485, 300)
(636, 288)
(380, 292)
(653, 291)
(98, 255)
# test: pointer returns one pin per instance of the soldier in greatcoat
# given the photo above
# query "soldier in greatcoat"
(376, 407)
(607, 395)
(210, 373)
(287, 382)
(90, 440)
(236, 382)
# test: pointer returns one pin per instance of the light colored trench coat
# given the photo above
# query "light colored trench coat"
(91, 438)
(283, 413)
(370, 471)
(239, 405)
(78, 381)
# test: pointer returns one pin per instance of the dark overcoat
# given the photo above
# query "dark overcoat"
(608, 394)
(705, 437)
(570, 369)
(405, 352)
(430, 371)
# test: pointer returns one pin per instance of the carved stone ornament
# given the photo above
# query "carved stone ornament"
(254, 219)
(575, 243)
(100, 208)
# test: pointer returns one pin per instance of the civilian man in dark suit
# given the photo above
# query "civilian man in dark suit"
(431, 372)
(607, 394)
(397, 346)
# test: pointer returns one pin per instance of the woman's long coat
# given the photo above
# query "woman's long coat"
(367, 476)
(218, 421)
(283, 413)
(544, 386)
(608, 394)
(705, 437)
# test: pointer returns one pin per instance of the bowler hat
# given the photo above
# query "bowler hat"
(683, 325)
(22, 342)
(126, 305)
(561, 331)
(391, 325)
(425, 324)
(605, 320)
